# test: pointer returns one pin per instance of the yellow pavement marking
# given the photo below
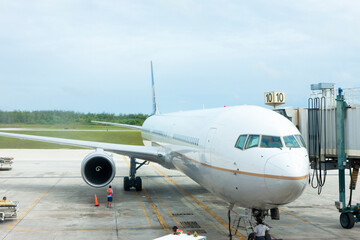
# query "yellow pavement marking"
(198, 202)
(194, 199)
(166, 208)
(142, 206)
(153, 206)
(157, 212)
(22, 215)
(291, 224)
(305, 221)
(126, 161)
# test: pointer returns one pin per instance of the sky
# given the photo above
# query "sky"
(94, 56)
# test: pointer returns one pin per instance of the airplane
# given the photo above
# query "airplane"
(249, 156)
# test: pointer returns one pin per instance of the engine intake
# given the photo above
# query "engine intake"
(98, 169)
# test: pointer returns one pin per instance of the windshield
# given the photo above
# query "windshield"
(241, 141)
(271, 142)
(300, 140)
(252, 141)
(291, 142)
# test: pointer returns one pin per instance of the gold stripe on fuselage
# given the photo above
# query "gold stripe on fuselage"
(235, 171)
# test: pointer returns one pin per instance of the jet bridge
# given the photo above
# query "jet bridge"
(330, 127)
(317, 124)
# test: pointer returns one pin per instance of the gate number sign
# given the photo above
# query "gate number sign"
(274, 98)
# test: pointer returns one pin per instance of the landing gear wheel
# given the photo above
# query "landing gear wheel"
(126, 183)
(138, 184)
(347, 220)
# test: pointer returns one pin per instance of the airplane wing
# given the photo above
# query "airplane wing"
(119, 125)
(154, 154)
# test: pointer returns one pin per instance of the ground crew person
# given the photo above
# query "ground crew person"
(260, 230)
(4, 200)
(109, 194)
(177, 231)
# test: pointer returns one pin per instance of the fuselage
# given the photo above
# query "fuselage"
(247, 155)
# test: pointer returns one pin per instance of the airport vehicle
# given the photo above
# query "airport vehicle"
(248, 155)
(6, 163)
(8, 210)
(181, 237)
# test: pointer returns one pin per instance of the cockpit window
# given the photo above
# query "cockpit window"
(241, 141)
(270, 142)
(291, 142)
(300, 140)
(252, 141)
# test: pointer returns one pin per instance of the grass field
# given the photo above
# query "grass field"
(109, 134)
(62, 126)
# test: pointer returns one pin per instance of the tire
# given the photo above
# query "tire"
(347, 220)
(126, 183)
(138, 183)
(352, 219)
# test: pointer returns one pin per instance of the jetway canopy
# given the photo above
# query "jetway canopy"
(318, 128)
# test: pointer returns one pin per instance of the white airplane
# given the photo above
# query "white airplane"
(249, 156)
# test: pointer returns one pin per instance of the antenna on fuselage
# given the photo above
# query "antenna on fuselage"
(155, 108)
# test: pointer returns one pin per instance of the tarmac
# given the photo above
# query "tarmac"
(55, 203)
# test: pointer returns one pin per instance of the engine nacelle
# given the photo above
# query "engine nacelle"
(98, 169)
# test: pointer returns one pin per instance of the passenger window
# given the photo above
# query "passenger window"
(290, 142)
(252, 141)
(241, 141)
(271, 142)
(300, 140)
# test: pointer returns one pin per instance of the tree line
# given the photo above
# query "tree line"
(67, 117)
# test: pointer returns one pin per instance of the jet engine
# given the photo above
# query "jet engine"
(98, 169)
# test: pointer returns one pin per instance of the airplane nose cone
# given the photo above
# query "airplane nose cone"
(286, 177)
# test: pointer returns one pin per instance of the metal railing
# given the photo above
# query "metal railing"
(352, 96)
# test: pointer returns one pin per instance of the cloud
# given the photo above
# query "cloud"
(77, 45)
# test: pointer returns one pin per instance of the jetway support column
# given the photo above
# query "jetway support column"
(340, 135)
(349, 214)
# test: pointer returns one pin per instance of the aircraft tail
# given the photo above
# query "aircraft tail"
(155, 108)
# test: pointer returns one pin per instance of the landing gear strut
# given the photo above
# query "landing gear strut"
(132, 180)
(257, 213)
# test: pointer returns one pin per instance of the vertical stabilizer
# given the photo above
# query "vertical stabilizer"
(155, 108)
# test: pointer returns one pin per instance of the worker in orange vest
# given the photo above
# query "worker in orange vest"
(109, 194)
(177, 231)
